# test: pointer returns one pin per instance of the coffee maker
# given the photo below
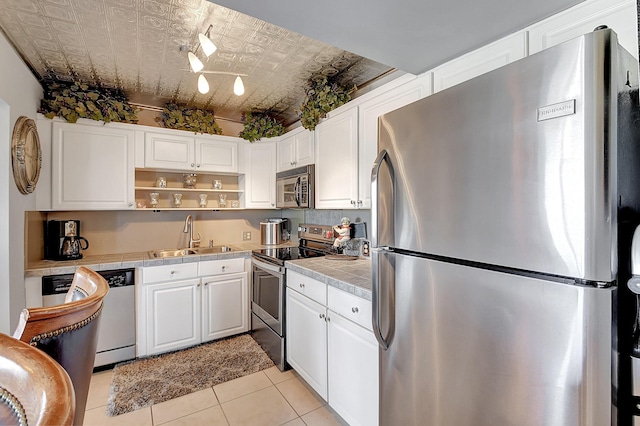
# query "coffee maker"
(62, 240)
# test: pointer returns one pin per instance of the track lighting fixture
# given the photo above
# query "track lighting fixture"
(203, 84)
(208, 48)
(207, 45)
(196, 64)
(238, 86)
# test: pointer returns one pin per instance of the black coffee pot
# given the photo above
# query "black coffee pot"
(72, 245)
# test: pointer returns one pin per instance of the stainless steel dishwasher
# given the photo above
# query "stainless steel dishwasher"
(117, 331)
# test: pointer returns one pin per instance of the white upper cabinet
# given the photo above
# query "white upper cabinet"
(175, 151)
(480, 61)
(337, 161)
(347, 141)
(618, 15)
(368, 113)
(169, 151)
(296, 149)
(92, 167)
(260, 175)
(213, 154)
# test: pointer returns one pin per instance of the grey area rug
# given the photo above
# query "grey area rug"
(147, 381)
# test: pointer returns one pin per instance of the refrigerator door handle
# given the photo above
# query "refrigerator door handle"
(375, 198)
(381, 259)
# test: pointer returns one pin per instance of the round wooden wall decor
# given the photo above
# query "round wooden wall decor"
(26, 154)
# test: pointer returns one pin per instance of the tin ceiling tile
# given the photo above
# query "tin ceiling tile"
(135, 44)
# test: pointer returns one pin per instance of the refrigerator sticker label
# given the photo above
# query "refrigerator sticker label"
(557, 110)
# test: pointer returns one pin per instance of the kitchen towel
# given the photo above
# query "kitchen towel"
(147, 381)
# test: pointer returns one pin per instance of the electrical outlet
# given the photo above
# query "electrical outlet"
(246, 235)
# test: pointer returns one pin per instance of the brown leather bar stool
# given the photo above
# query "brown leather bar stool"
(34, 389)
(69, 332)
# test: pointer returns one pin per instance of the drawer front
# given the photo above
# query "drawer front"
(351, 307)
(313, 289)
(179, 271)
(219, 267)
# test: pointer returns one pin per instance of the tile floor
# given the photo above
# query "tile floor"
(268, 397)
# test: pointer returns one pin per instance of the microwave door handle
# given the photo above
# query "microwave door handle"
(296, 191)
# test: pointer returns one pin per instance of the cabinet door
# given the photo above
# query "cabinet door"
(169, 151)
(581, 19)
(353, 371)
(307, 340)
(286, 153)
(225, 306)
(480, 61)
(260, 176)
(337, 161)
(93, 167)
(368, 113)
(214, 155)
(304, 147)
(173, 315)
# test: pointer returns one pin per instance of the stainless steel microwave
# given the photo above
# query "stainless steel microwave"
(294, 188)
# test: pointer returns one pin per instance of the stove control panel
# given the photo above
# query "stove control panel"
(316, 232)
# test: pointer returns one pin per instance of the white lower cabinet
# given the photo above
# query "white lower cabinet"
(173, 317)
(331, 346)
(225, 307)
(353, 371)
(186, 304)
(307, 340)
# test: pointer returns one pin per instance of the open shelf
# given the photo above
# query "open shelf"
(146, 184)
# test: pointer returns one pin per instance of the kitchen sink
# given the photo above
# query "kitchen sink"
(189, 251)
(214, 249)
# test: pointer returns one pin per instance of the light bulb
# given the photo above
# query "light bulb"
(207, 45)
(203, 84)
(238, 87)
(196, 64)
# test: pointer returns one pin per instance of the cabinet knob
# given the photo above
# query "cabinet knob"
(359, 203)
(322, 316)
(193, 164)
(198, 285)
(354, 309)
(130, 204)
(327, 319)
(353, 202)
(301, 285)
(173, 272)
(224, 267)
(198, 165)
(206, 284)
(272, 204)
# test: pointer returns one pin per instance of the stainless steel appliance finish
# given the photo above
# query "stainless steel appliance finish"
(494, 243)
(295, 188)
(268, 292)
(117, 330)
(273, 231)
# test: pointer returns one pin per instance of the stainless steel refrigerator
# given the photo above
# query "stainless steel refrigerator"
(496, 212)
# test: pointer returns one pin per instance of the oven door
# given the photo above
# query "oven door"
(267, 296)
(288, 191)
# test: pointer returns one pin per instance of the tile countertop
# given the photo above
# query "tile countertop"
(134, 260)
(352, 276)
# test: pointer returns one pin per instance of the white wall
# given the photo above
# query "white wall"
(20, 94)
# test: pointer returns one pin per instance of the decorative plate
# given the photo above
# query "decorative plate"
(26, 154)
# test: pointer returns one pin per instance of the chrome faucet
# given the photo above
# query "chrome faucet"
(188, 227)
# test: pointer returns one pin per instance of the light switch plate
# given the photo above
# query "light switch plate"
(246, 235)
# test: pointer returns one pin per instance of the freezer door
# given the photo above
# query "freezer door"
(474, 347)
(514, 168)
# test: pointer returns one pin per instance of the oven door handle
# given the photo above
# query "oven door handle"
(267, 266)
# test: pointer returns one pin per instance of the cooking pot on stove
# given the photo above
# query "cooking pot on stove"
(274, 231)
